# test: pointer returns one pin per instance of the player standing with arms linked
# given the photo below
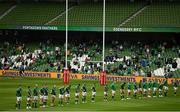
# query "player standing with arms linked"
(155, 85)
(61, 95)
(140, 89)
(29, 98)
(93, 88)
(41, 96)
(149, 88)
(166, 88)
(129, 90)
(105, 92)
(122, 91)
(35, 96)
(77, 89)
(135, 90)
(113, 90)
(160, 88)
(18, 97)
(53, 95)
(67, 94)
(45, 98)
(175, 87)
(145, 88)
(84, 93)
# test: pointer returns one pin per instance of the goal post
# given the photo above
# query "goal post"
(103, 72)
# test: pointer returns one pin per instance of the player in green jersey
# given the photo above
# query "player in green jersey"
(175, 87)
(93, 88)
(18, 97)
(113, 90)
(84, 93)
(155, 86)
(145, 88)
(41, 96)
(149, 88)
(53, 95)
(77, 89)
(129, 90)
(61, 95)
(67, 94)
(160, 88)
(35, 96)
(45, 98)
(135, 90)
(140, 89)
(105, 92)
(29, 98)
(165, 85)
(122, 90)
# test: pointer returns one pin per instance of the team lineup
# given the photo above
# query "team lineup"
(38, 97)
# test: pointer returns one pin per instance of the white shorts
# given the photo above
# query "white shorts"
(135, 91)
(84, 93)
(41, 96)
(154, 89)
(139, 89)
(93, 93)
(53, 96)
(129, 90)
(144, 90)
(35, 98)
(175, 88)
(19, 98)
(113, 92)
(67, 95)
(76, 94)
(160, 90)
(105, 93)
(28, 99)
(149, 89)
(45, 97)
(166, 88)
(61, 96)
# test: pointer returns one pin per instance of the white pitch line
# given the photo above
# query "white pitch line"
(133, 16)
(58, 16)
(7, 12)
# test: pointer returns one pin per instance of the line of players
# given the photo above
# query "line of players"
(142, 89)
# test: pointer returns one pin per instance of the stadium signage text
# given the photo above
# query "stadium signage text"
(128, 29)
(39, 27)
(28, 74)
(78, 28)
(85, 76)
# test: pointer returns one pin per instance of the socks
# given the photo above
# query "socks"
(112, 97)
(19, 105)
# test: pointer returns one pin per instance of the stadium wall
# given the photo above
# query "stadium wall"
(83, 76)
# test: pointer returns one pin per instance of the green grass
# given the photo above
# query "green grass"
(8, 98)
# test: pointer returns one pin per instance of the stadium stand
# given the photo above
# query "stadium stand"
(4, 7)
(158, 14)
(33, 13)
(122, 57)
(90, 14)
